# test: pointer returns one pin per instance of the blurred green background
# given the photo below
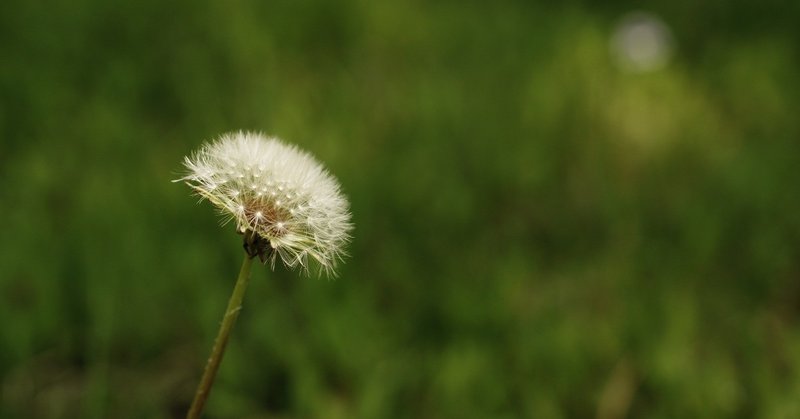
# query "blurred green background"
(541, 232)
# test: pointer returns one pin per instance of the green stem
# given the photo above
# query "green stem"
(231, 313)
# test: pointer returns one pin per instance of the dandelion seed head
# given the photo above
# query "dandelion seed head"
(253, 180)
(641, 43)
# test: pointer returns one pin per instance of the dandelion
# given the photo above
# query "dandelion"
(283, 202)
(283, 195)
(642, 42)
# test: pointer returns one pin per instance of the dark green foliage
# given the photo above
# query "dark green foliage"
(537, 232)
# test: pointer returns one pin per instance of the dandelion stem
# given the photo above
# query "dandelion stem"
(231, 313)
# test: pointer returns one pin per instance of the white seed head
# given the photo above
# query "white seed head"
(275, 190)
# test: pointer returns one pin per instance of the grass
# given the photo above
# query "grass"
(537, 232)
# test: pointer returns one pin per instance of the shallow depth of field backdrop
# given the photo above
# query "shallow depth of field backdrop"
(540, 231)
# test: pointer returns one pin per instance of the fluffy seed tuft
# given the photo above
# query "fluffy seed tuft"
(277, 191)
